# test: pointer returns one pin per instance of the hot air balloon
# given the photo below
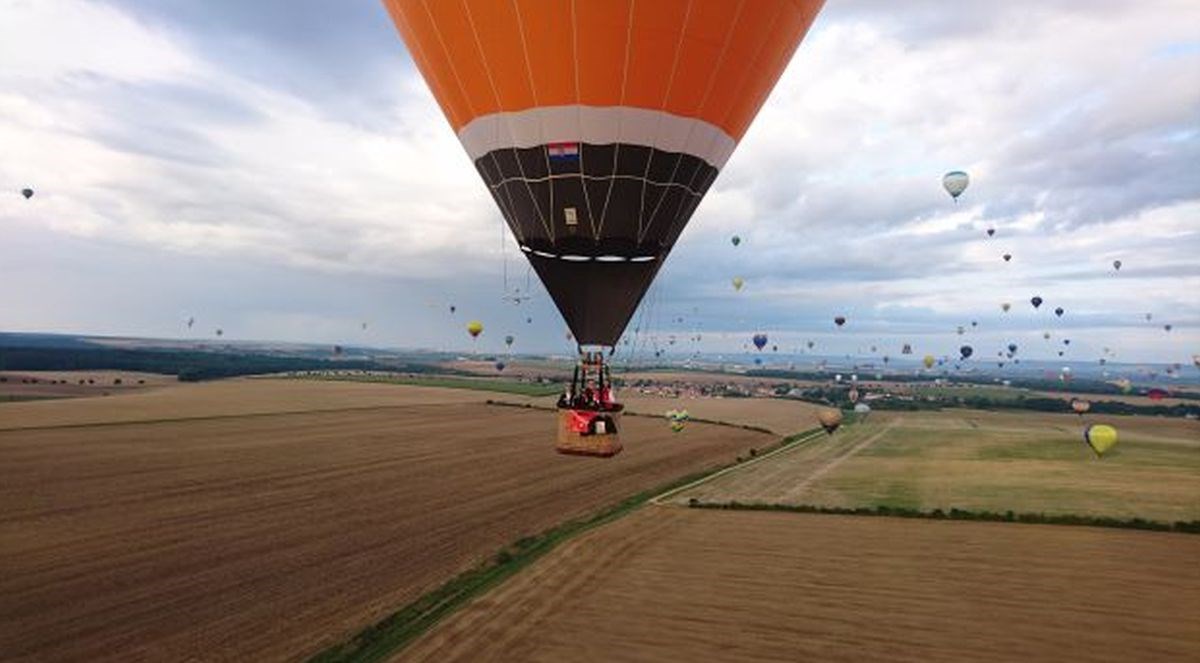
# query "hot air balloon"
(1157, 394)
(929, 361)
(991, 231)
(1149, 317)
(955, 182)
(364, 326)
(1059, 311)
(759, 340)
(853, 395)
(738, 282)
(1036, 301)
(508, 340)
(862, 410)
(1196, 360)
(1005, 306)
(499, 365)
(28, 193)
(961, 330)
(1117, 265)
(830, 419)
(563, 105)
(966, 351)
(1046, 335)
(1007, 257)
(735, 240)
(1080, 406)
(453, 308)
(191, 321)
(337, 350)
(1167, 327)
(1012, 348)
(839, 320)
(220, 332)
(906, 350)
(810, 344)
(1066, 341)
(474, 328)
(529, 321)
(1100, 437)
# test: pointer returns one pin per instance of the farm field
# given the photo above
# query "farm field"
(670, 583)
(266, 519)
(996, 461)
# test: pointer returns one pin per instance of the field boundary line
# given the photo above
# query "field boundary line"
(210, 417)
(796, 443)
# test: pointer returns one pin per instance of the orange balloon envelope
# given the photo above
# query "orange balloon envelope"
(830, 419)
(598, 125)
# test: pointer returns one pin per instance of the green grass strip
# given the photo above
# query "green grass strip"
(388, 636)
(1181, 526)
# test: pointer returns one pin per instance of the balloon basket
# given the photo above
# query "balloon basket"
(589, 432)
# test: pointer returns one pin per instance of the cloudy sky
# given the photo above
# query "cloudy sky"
(278, 169)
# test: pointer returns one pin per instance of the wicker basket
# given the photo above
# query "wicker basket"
(602, 437)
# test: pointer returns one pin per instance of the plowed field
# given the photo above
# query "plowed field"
(676, 584)
(262, 520)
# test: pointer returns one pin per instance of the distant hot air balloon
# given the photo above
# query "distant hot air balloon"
(220, 332)
(991, 231)
(1080, 406)
(839, 320)
(1157, 394)
(1005, 306)
(735, 240)
(1066, 341)
(1036, 301)
(853, 395)
(337, 350)
(862, 410)
(1149, 317)
(1100, 437)
(529, 321)
(1196, 360)
(966, 351)
(1117, 265)
(453, 308)
(28, 193)
(1007, 257)
(830, 419)
(1167, 327)
(1059, 311)
(364, 326)
(810, 345)
(499, 365)
(961, 330)
(906, 350)
(508, 340)
(955, 182)
(738, 282)
(191, 321)
(759, 340)
(1012, 347)
(1046, 335)
(474, 328)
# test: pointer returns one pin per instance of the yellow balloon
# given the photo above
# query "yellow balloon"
(738, 283)
(929, 361)
(474, 328)
(1100, 437)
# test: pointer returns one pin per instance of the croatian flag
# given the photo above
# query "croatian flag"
(563, 150)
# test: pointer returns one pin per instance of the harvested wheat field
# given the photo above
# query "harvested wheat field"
(34, 385)
(996, 461)
(266, 519)
(675, 584)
